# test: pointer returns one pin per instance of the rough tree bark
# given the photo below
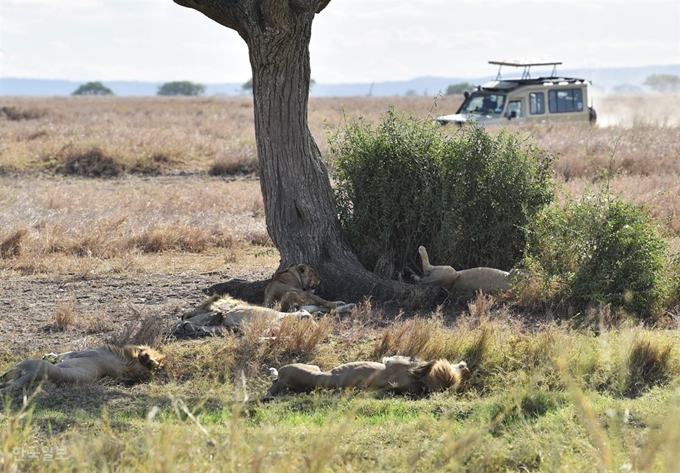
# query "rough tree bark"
(299, 204)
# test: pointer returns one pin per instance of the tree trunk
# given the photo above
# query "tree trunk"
(299, 203)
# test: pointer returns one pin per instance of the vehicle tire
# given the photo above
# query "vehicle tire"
(592, 117)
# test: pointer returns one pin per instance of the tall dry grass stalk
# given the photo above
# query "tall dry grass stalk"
(65, 315)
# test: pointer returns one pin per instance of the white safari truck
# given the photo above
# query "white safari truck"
(537, 100)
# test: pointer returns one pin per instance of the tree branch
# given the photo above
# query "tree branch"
(322, 4)
(229, 13)
(308, 5)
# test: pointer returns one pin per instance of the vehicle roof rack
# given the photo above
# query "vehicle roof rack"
(526, 64)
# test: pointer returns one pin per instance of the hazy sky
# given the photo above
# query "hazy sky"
(352, 40)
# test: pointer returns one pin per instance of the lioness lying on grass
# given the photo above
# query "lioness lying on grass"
(131, 363)
(220, 312)
(294, 287)
(466, 280)
(399, 374)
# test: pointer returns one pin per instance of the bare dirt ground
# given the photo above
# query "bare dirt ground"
(102, 306)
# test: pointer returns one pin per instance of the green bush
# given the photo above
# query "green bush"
(181, 88)
(466, 197)
(600, 249)
(92, 88)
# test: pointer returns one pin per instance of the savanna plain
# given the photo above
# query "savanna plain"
(115, 214)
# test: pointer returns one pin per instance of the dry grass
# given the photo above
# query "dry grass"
(69, 314)
(10, 246)
(117, 220)
(648, 365)
(121, 219)
(552, 389)
(65, 315)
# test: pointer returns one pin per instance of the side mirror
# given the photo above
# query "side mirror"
(512, 115)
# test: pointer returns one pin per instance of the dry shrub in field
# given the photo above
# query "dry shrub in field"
(241, 160)
(480, 309)
(478, 348)
(158, 162)
(68, 314)
(648, 365)
(65, 316)
(17, 114)
(97, 162)
(181, 237)
(300, 336)
(11, 245)
(92, 162)
(366, 315)
(295, 340)
(529, 295)
(417, 337)
(150, 329)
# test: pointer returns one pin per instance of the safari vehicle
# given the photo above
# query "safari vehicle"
(539, 100)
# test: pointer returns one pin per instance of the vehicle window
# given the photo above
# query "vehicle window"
(537, 103)
(515, 106)
(561, 101)
(485, 104)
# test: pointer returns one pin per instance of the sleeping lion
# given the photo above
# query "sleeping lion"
(398, 374)
(220, 312)
(131, 364)
(466, 280)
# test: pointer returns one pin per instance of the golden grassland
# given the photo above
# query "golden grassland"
(155, 144)
(544, 395)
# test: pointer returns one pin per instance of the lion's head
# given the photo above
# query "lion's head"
(308, 277)
(299, 275)
(440, 375)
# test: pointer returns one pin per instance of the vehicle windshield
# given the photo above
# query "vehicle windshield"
(485, 104)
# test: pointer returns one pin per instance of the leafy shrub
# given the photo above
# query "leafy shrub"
(93, 88)
(181, 88)
(459, 88)
(466, 197)
(600, 249)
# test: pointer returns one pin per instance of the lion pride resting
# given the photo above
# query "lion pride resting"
(466, 280)
(399, 374)
(294, 287)
(131, 363)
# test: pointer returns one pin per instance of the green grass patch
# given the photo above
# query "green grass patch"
(554, 400)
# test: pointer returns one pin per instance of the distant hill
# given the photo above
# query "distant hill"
(604, 81)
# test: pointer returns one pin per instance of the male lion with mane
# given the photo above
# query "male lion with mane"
(130, 363)
(294, 287)
(399, 374)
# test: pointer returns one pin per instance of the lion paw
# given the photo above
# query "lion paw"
(345, 308)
